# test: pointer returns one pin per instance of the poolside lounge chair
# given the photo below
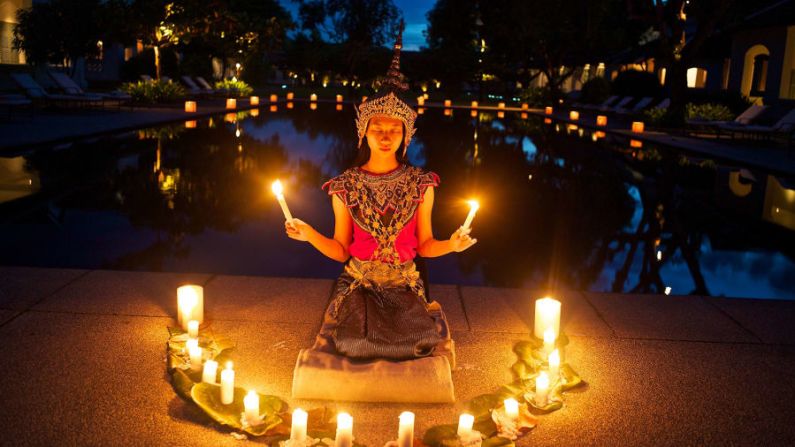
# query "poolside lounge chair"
(639, 106)
(70, 87)
(193, 88)
(741, 121)
(11, 101)
(36, 92)
(607, 102)
(205, 85)
(783, 127)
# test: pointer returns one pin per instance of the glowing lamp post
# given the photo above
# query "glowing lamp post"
(601, 121)
(473, 209)
(231, 103)
(278, 190)
(190, 106)
(547, 316)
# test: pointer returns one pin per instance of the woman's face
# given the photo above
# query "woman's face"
(384, 135)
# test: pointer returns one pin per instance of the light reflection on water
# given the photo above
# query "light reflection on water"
(558, 210)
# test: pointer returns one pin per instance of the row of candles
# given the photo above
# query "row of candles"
(231, 103)
(190, 302)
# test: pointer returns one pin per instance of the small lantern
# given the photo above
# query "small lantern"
(289, 106)
(190, 124)
(274, 98)
(339, 98)
(274, 108)
(501, 105)
(313, 106)
(547, 120)
(524, 106)
(255, 112)
(473, 114)
(636, 143)
(448, 103)
(420, 100)
(231, 103)
(547, 110)
(524, 116)
(448, 112)
(290, 96)
(254, 100)
(474, 104)
(601, 120)
(574, 115)
(500, 114)
(420, 111)
(313, 97)
(190, 106)
(637, 127)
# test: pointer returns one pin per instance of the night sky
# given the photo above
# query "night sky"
(413, 13)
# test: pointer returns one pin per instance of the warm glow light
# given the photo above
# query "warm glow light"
(313, 106)
(344, 436)
(420, 111)
(524, 116)
(547, 316)
(339, 107)
(190, 124)
(290, 96)
(278, 191)
(667, 290)
(549, 339)
(474, 206)
(500, 114)
(525, 106)
(554, 365)
(659, 255)
(448, 112)
(465, 422)
(277, 187)
(574, 115)
(231, 103)
(298, 428)
(547, 110)
(501, 105)
(255, 112)
(230, 117)
(251, 408)
(547, 120)
(254, 100)
(210, 371)
(635, 143)
(474, 104)
(273, 108)
(637, 127)
(339, 98)
(511, 408)
(289, 106)
(193, 329)
(364, 98)
(448, 103)
(601, 120)
(406, 429)
(228, 384)
(274, 98)
(542, 389)
(420, 100)
(313, 97)
(190, 106)
(190, 305)
(473, 114)
(195, 353)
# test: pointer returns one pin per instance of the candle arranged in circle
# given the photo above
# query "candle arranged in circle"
(473, 209)
(278, 190)
(298, 427)
(344, 436)
(542, 389)
(193, 328)
(554, 365)
(406, 429)
(195, 353)
(547, 316)
(511, 408)
(210, 371)
(549, 339)
(228, 384)
(251, 406)
(465, 422)
(190, 304)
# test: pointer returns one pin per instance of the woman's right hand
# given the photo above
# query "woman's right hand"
(297, 229)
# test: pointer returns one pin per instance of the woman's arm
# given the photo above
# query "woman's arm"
(429, 247)
(336, 248)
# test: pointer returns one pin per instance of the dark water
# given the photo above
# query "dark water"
(557, 209)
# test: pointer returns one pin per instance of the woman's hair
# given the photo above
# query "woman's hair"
(363, 152)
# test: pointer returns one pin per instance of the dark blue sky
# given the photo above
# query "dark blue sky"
(413, 13)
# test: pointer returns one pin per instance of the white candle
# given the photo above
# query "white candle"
(473, 208)
(465, 422)
(195, 357)
(210, 371)
(251, 405)
(554, 365)
(406, 429)
(228, 384)
(298, 429)
(542, 389)
(193, 328)
(549, 340)
(277, 189)
(511, 408)
(547, 315)
(190, 301)
(344, 436)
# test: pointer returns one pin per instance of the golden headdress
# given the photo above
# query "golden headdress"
(388, 102)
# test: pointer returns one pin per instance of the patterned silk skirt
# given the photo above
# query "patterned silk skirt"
(378, 311)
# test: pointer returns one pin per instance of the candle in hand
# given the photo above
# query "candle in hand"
(298, 428)
(542, 389)
(210, 371)
(277, 189)
(406, 429)
(344, 431)
(228, 384)
(251, 405)
(465, 422)
(473, 208)
(554, 365)
(511, 408)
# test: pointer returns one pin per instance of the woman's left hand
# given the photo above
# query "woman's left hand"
(460, 240)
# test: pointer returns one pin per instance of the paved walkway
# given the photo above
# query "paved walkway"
(83, 360)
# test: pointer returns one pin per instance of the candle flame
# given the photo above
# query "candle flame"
(344, 420)
(554, 358)
(542, 381)
(229, 365)
(549, 336)
(276, 187)
(473, 204)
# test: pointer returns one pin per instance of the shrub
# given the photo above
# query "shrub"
(708, 112)
(655, 116)
(636, 83)
(154, 91)
(234, 87)
(539, 96)
(595, 91)
(735, 101)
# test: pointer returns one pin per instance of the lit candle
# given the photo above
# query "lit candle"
(228, 384)
(420, 100)
(255, 112)
(313, 97)
(601, 120)
(338, 108)
(231, 103)
(637, 127)
(511, 408)
(339, 98)
(274, 98)
(420, 111)
(406, 429)
(500, 114)
(525, 106)
(298, 428)
(473, 114)
(448, 103)
(191, 343)
(190, 106)
(574, 115)
(465, 422)
(251, 405)
(473, 208)
(254, 100)
(344, 436)
(290, 96)
(276, 187)
(542, 389)
(549, 339)
(635, 143)
(501, 105)
(274, 108)
(190, 302)
(190, 124)
(290, 105)
(474, 104)
(210, 371)
(313, 106)
(195, 357)
(193, 329)
(548, 110)
(554, 365)
(547, 315)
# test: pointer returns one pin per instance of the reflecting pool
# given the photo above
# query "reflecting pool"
(560, 207)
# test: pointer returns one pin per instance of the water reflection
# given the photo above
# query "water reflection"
(558, 210)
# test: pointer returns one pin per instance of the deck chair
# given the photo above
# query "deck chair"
(36, 92)
(639, 106)
(70, 87)
(783, 127)
(620, 105)
(193, 88)
(205, 85)
(607, 102)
